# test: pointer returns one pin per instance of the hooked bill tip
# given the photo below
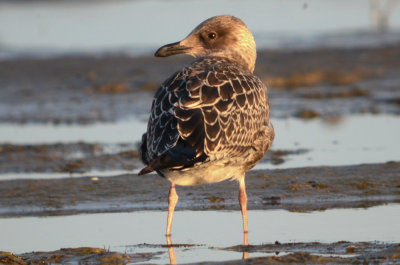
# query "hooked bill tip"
(171, 49)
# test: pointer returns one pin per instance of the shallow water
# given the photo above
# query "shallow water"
(61, 175)
(143, 231)
(126, 131)
(61, 26)
(349, 140)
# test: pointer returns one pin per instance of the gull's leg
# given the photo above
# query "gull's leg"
(243, 207)
(172, 200)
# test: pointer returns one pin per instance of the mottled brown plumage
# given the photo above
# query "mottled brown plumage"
(210, 121)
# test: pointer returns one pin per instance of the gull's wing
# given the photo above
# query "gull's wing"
(204, 113)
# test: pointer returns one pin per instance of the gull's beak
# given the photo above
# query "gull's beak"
(172, 49)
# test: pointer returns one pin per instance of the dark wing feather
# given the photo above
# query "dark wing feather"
(164, 146)
(209, 109)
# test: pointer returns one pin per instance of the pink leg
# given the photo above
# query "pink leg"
(172, 200)
(243, 207)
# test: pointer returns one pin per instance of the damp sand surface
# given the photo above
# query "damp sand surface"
(297, 189)
(304, 83)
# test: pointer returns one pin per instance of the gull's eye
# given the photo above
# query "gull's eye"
(212, 35)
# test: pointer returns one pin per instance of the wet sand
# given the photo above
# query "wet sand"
(301, 189)
(70, 158)
(305, 84)
(299, 253)
(302, 83)
(84, 157)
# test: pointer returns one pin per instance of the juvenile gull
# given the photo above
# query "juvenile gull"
(210, 121)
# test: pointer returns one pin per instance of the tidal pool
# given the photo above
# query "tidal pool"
(203, 232)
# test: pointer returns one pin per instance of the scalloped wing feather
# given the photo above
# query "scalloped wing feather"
(213, 106)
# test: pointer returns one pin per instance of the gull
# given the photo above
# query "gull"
(209, 122)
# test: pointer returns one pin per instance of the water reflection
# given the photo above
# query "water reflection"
(171, 252)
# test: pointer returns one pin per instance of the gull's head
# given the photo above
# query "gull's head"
(225, 36)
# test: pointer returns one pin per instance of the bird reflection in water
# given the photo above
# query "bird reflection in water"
(171, 251)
